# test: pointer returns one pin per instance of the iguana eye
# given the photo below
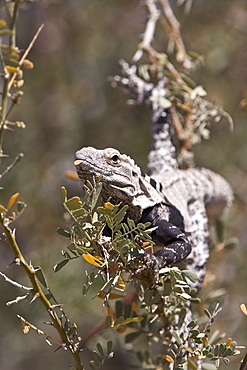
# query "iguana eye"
(115, 159)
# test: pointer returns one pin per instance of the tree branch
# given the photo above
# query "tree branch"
(12, 165)
(175, 34)
(153, 16)
(37, 291)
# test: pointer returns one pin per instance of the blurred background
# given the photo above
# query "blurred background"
(68, 104)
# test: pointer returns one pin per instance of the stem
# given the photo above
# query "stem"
(175, 34)
(31, 273)
(25, 54)
(12, 25)
(6, 75)
(4, 109)
(148, 35)
(12, 165)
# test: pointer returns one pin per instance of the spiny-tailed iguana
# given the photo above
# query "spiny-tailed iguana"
(177, 206)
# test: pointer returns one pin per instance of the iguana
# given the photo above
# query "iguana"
(177, 207)
(180, 202)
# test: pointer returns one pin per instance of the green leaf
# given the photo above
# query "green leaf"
(71, 247)
(92, 365)
(121, 214)
(48, 296)
(131, 223)
(6, 33)
(64, 194)
(84, 290)
(60, 265)
(192, 276)
(100, 349)
(41, 277)
(80, 213)
(156, 299)
(109, 347)
(207, 313)
(20, 206)
(176, 337)
(192, 324)
(165, 103)
(73, 203)
(226, 361)
(97, 357)
(108, 322)
(178, 289)
(71, 330)
(185, 296)
(119, 308)
(129, 338)
(63, 232)
(119, 321)
(104, 211)
(96, 194)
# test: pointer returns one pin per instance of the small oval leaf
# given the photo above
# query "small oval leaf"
(27, 64)
(63, 232)
(3, 23)
(12, 200)
(64, 194)
(73, 203)
(20, 206)
(41, 277)
(3, 209)
(132, 336)
(60, 265)
(108, 322)
(192, 276)
(243, 309)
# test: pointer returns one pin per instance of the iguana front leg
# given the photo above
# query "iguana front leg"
(176, 246)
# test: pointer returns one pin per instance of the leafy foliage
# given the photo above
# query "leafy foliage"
(159, 316)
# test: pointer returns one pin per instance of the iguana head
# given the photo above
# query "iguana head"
(122, 178)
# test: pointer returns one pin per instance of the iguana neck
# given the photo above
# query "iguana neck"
(146, 196)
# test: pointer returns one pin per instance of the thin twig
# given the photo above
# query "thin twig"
(25, 55)
(26, 324)
(153, 16)
(6, 278)
(18, 299)
(176, 35)
(12, 165)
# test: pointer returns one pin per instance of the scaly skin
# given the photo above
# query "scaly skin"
(148, 200)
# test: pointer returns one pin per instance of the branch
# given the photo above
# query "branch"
(174, 34)
(27, 325)
(25, 55)
(153, 16)
(37, 291)
(12, 165)
(6, 278)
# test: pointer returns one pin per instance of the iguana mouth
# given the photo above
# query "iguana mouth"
(87, 167)
(90, 168)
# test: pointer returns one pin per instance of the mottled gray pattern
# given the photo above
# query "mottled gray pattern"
(201, 195)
